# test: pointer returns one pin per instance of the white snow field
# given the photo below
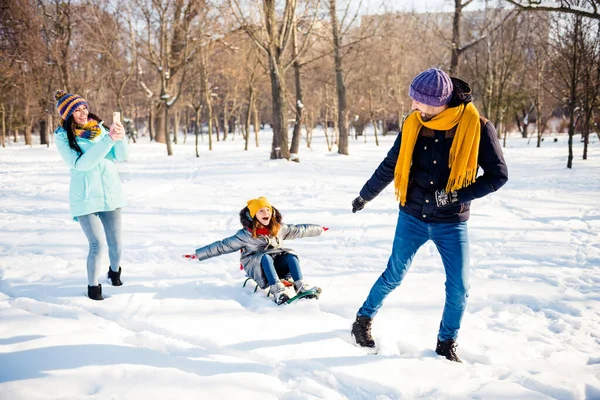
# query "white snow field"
(179, 329)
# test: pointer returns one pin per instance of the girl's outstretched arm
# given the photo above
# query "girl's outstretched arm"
(289, 232)
(225, 246)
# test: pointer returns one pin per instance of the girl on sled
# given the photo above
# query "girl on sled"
(262, 256)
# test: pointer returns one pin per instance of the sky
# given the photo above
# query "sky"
(409, 5)
(180, 329)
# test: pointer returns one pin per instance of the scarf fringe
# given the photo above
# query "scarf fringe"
(461, 181)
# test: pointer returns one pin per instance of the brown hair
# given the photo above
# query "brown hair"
(254, 226)
(273, 226)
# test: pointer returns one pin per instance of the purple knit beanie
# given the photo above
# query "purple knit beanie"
(432, 87)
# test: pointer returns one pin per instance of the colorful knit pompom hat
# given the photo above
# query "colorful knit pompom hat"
(66, 103)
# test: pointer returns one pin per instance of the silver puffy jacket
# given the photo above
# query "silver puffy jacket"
(253, 249)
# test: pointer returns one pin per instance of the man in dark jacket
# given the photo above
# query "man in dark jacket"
(433, 164)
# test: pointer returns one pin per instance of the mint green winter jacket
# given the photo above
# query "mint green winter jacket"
(95, 184)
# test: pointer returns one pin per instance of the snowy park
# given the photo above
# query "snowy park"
(182, 329)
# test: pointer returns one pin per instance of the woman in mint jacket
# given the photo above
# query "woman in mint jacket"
(91, 149)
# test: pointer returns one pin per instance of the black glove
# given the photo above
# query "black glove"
(358, 204)
(442, 199)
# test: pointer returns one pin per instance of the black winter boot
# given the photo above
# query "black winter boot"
(361, 331)
(114, 277)
(447, 349)
(95, 292)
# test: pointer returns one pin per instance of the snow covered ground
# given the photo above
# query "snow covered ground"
(180, 329)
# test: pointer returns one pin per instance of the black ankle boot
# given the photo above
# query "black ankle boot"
(95, 292)
(361, 331)
(447, 349)
(114, 277)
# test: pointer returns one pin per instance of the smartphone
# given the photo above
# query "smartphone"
(116, 116)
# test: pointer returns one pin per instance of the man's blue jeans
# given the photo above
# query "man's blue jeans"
(281, 266)
(451, 240)
(92, 225)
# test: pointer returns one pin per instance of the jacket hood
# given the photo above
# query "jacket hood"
(246, 219)
(461, 93)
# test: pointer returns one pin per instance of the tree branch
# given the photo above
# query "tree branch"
(564, 7)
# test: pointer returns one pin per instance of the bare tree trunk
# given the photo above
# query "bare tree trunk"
(3, 132)
(209, 125)
(249, 115)
(244, 130)
(335, 133)
(28, 123)
(374, 121)
(217, 127)
(197, 129)
(10, 122)
(46, 129)
(159, 123)
(294, 149)
(325, 127)
(27, 132)
(51, 127)
(585, 134)
(342, 120)
(458, 6)
(308, 127)
(373, 118)
(247, 128)
(176, 126)
(538, 112)
(167, 135)
(43, 133)
(256, 123)
(151, 120)
(237, 126)
(205, 87)
(573, 90)
(186, 125)
(225, 121)
(279, 146)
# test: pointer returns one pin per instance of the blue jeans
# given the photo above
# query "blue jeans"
(92, 227)
(280, 266)
(452, 242)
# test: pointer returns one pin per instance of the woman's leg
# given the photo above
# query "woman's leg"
(92, 227)
(112, 229)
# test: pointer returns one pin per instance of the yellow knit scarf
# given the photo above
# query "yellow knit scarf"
(463, 153)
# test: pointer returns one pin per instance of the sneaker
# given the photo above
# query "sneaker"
(361, 331)
(447, 349)
(302, 287)
(278, 292)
